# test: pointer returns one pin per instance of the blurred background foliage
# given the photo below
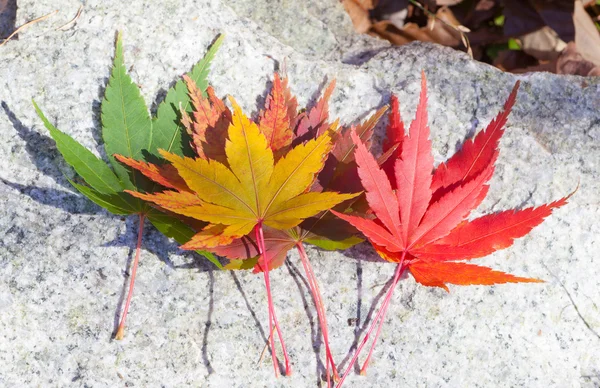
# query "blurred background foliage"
(558, 36)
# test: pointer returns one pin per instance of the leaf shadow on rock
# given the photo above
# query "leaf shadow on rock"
(156, 244)
(315, 335)
(44, 155)
(359, 296)
(203, 265)
(208, 323)
(261, 98)
(196, 262)
(362, 57)
(161, 94)
(71, 203)
(41, 148)
(96, 130)
(257, 323)
(121, 300)
(360, 253)
(361, 328)
(316, 95)
(8, 17)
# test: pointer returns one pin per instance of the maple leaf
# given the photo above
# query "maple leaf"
(283, 127)
(313, 122)
(419, 213)
(208, 128)
(393, 139)
(128, 129)
(210, 118)
(250, 190)
(338, 174)
(276, 120)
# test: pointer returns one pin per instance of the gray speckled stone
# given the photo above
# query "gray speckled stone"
(316, 29)
(62, 259)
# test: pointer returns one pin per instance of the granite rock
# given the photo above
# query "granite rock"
(316, 29)
(63, 260)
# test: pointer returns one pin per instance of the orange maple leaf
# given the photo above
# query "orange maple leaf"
(238, 185)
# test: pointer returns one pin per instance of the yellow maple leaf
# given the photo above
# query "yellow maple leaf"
(253, 190)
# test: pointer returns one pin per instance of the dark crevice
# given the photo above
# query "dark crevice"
(8, 18)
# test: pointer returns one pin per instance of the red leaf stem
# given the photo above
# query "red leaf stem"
(316, 294)
(260, 238)
(380, 316)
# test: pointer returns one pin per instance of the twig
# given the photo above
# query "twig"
(15, 32)
(462, 30)
(262, 354)
(71, 23)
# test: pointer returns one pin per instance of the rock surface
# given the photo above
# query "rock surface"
(62, 259)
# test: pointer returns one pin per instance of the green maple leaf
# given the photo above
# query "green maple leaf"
(128, 129)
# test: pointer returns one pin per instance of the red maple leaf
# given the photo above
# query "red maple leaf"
(419, 216)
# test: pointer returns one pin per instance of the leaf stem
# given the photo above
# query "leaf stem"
(379, 318)
(316, 294)
(260, 238)
(121, 330)
(270, 302)
(384, 307)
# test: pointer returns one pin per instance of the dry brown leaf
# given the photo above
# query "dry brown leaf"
(396, 11)
(520, 18)
(543, 44)
(486, 35)
(444, 34)
(447, 3)
(514, 61)
(557, 15)
(587, 36)
(387, 30)
(367, 4)
(523, 17)
(477, 14)
(437, 30)
(547, 66)
(358, 15)
(571, 61)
